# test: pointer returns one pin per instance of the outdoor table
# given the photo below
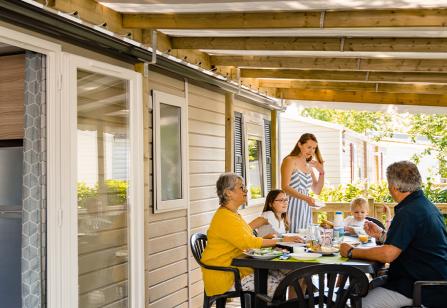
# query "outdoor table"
(261, 267)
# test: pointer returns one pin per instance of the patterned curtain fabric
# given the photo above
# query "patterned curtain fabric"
(34, 184)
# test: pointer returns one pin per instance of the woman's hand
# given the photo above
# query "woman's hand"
(293, 238)
(310, 201)
(319, 166)
(350, 230)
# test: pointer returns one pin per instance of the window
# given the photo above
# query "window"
(169, 129)
(255, 169)
(252, 154)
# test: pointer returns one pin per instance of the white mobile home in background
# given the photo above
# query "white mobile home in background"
(349, 156)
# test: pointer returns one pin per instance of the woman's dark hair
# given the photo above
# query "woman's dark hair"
(271, 196)
(303, 139)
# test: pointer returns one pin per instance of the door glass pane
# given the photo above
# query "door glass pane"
(102, 179)
(255, 176)
(171, 156)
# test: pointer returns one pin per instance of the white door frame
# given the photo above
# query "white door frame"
(61, 177)
(54, 185)
(135, 194)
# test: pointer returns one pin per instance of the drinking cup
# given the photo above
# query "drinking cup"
(298, 249)
(363, 238)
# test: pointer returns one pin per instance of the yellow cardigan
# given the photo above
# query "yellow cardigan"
(228, 235)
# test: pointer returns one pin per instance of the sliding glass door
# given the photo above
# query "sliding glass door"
(108, 213)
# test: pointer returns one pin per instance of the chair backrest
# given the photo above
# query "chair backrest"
(376, 221)
(323, 285)
(198, 243)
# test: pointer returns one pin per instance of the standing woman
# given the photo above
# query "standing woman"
(297, 177)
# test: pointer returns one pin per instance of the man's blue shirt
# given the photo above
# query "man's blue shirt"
(418, 229)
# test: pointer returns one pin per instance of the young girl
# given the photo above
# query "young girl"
(275, 217)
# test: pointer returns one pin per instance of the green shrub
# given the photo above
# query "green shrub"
(379, 192)
(115, 191)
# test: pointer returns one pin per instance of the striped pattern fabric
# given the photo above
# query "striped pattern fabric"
(300, 214)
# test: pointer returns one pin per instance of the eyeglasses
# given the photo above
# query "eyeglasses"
(282, 200)
(243, 187)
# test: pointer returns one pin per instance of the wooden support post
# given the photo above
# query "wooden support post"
(229, 132)
(372, 208)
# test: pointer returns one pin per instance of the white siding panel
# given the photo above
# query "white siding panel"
(200, 127)
(202, 166)
(166, 257)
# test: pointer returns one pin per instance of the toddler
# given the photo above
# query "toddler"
(359, 211)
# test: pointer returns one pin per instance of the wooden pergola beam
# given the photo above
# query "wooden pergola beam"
(364, 97)
(374, 77)
(310, 19)
(353, 86)
(354, 44)
(326, 63)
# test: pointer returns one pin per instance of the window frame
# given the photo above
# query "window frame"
(159, 97)
(263, 166)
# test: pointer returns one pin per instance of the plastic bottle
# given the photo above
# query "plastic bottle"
(339, 227)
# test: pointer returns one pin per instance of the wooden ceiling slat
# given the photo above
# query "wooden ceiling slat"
(313, 44)
(353, 86)
(299, 19)
(344, 75)
(364, 97)
(326, 63)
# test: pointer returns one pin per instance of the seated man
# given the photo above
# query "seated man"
(415, 244)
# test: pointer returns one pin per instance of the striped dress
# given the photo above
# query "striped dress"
(300, 214)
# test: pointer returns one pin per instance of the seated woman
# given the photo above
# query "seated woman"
(228, 236)
(276, 220)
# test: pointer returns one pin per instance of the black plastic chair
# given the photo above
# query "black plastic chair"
(376, 221)
(198, 243)
(332, 290)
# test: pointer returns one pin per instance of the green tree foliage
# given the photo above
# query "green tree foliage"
(359, 121)
(434, 127)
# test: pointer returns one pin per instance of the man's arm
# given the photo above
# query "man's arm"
(384, 254)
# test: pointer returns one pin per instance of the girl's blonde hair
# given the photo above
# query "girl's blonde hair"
(303, 139)
(359, 201)
(271, 196)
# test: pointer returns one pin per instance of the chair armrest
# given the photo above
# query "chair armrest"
(264, 298)
(378, 282)
(235, 271)
(417, 290)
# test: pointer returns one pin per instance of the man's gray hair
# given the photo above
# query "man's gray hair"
(226, 181)
(404, 176)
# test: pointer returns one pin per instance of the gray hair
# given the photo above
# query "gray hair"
(404, 176)
(226, 181)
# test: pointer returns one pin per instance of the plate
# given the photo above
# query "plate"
(319, 204)
(290, 234)
(305, 256)
(327, 251)
(266, 256)
(352, 242)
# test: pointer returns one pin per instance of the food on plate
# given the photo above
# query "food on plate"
(263, 251)
(363, 238)
(326, 224)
